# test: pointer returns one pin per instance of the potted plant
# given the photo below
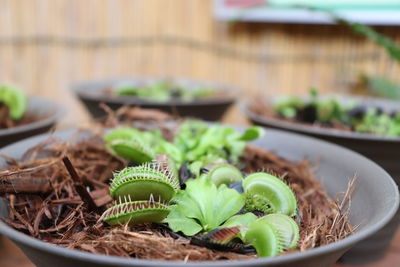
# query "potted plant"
(22, 116)
(182, 97)
(189, 194)
(366, 125)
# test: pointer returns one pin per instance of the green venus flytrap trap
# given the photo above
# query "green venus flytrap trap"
(224, 174)
(142, 181)
(267, 193)
(135, 212)
(143, 193)
(131, 144)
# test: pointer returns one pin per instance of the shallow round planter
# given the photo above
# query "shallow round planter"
(48, 112)
(92, 93)
(373, 204)
(385, 151)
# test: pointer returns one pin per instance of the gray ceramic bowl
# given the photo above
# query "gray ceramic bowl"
(383, 150)
(373, 205)
(91, 93)
(40, 107)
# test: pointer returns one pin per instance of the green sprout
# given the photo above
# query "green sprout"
(15, 100)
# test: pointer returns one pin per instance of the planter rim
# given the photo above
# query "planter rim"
(316, 130)
(55, 116)
(79, 89)
(120, 261)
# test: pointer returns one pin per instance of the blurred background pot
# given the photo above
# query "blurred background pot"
(373, 204)
(211, 108)
(48, 113)
(385, 151)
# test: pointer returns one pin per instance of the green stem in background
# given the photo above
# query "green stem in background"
(383, 41)
(329, 7)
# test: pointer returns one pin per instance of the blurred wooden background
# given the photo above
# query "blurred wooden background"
(45, 45)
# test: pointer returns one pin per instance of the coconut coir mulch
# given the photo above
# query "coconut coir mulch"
(44, 203)
(6, 122)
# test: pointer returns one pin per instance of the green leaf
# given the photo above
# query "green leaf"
(243, 220)
(240, 220)
(15, 100)
(203, 203)
(201, 143)
(186, 205)
(252, 133)
(382, 86)
(227, 203)
(178, 222)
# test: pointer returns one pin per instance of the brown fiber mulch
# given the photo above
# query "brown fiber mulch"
(44, 203)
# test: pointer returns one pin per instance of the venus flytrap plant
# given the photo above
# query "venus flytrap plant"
(201, 209)
(206, 210)
(15, 100)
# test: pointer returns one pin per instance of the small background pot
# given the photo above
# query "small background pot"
(373, 204)
(383, 150)
(50, 112)
(91, 93)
